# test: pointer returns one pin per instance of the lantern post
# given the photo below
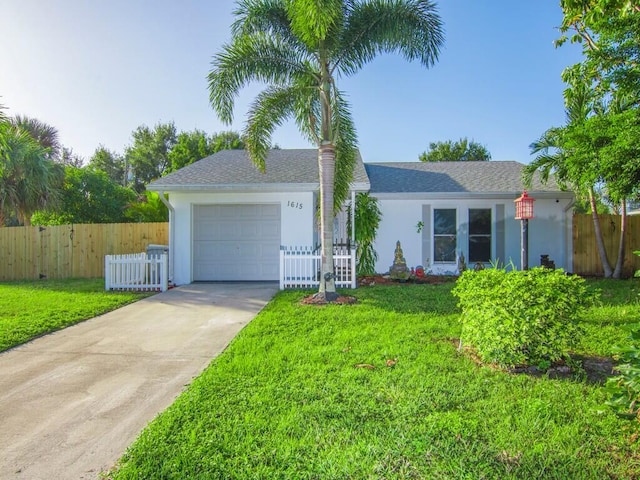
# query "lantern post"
(524, 211)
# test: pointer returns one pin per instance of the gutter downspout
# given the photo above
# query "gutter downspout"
(568, 232)
(172, 216)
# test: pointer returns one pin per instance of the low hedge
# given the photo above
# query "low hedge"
(519, 318)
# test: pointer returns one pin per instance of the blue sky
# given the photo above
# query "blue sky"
(98, 70)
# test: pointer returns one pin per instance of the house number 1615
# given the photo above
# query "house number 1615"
(297, 205)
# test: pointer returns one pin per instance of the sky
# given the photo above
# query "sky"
(98, 70)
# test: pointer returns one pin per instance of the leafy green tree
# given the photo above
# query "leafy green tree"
(229, 140)
(190, 147)
(89, 196)
(299, 48)
(29, 180)
(110, 163)
(147, 208)
(594, 150)
(461, 150)
(609, 31)
(69, 157)
(148, 156)
(195, 145)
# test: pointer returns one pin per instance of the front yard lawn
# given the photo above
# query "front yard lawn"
(378, 390)
(31, 309)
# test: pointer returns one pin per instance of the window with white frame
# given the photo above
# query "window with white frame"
(444, 235)
(479, 235)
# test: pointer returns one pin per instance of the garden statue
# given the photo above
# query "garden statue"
(462, 264)
(399, 269)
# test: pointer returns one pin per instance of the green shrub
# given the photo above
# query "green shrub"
(521, 317)
(625, 388)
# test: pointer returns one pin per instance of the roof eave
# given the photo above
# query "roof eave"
(249, 187)
(469, 195)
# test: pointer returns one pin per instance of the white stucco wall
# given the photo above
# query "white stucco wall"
(296, 215)
(549, 231)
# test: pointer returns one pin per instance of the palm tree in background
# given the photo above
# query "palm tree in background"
(46, 135)
(29, 180)
(298, 48)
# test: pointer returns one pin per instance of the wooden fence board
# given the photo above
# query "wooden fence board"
(65, 251)
(586, 260)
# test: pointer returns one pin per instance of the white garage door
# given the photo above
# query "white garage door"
(236, 242)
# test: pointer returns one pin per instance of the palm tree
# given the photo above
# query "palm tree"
(298, 48)
(43, 133)
(579, 172)
(28, 179)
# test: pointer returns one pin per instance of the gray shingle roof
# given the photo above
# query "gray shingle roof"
(229, 169)
(451, 177)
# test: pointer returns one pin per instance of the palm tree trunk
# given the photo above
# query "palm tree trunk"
(617, 273)
(327, 166)
(602, 251)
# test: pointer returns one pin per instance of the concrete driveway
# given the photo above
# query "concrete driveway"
(71, 402)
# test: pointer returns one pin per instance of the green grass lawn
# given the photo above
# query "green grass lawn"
(295, 397)
(31, 309)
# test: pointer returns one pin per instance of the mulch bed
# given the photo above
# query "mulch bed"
(596, 369)
(318, 299)
(371, 280)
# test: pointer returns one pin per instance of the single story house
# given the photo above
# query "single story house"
(228, 221)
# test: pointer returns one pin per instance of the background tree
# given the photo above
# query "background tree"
(147, 208)
(88, 196)
(461, 150)
(195, 145)
(148, 156)
(110, 163)
(29, 180)
(69, 157)
(46, 135)
(298, 48)
(593, 151)
(609, 31)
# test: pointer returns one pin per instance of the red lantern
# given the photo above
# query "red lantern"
(524, 207)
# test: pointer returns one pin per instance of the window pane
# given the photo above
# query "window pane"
(479, 248)
(444, 221)
(445, 248)
(480, 221)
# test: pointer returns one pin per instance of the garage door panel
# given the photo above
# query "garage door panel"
(236, 242)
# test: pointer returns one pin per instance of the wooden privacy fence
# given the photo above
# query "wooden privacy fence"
(68, 251)
(300, 267)
(585, 252)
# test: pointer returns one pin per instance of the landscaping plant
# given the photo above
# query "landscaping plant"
(625, 388)
(518, 318)
(367, 218)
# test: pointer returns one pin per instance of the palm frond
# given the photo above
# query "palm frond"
(263, 16)
(257, 57)
(316, 23)
(269, 110)
(410, 27)
(346, 142)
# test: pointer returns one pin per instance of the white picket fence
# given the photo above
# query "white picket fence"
(300, 267)
(136, 271)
